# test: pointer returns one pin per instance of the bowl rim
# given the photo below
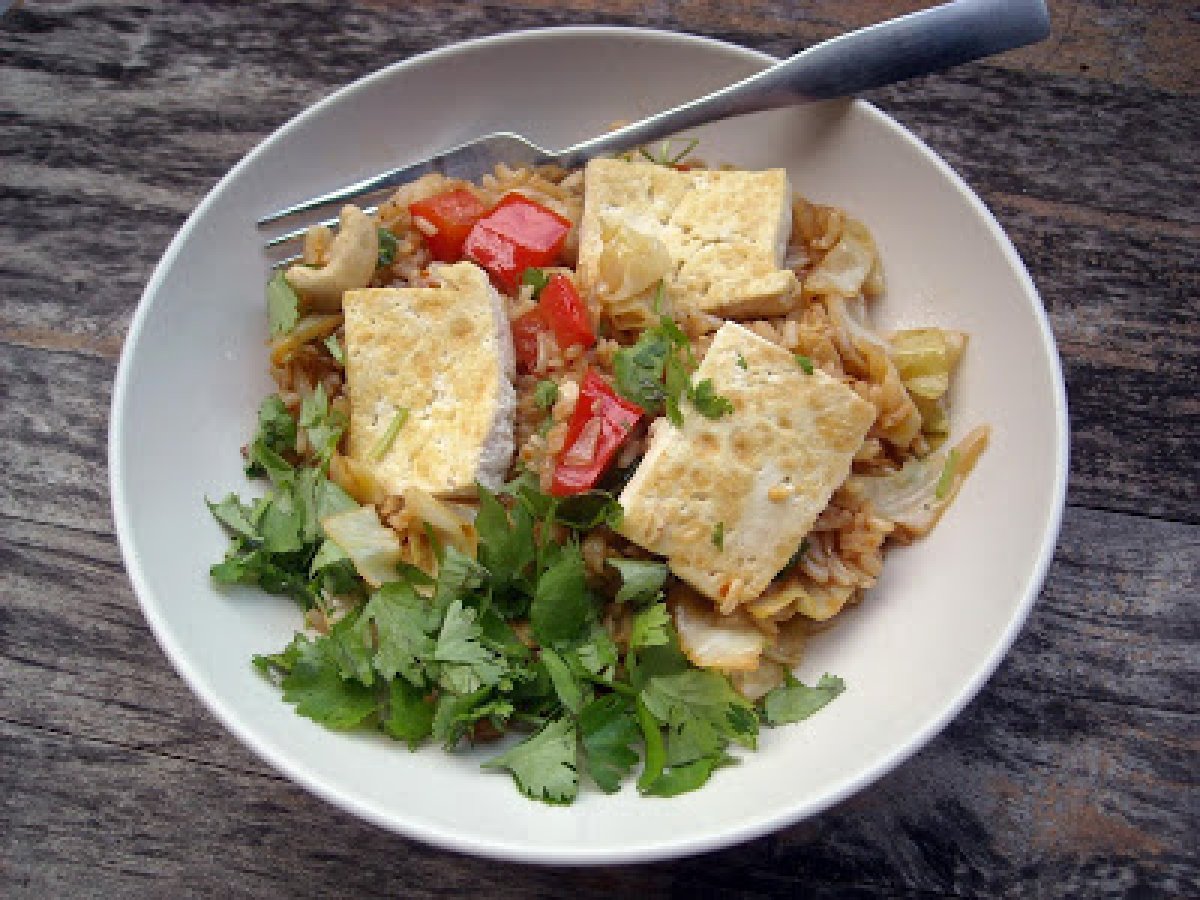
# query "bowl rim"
(509, 850)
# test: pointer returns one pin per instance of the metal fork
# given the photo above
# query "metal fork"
(906, 47)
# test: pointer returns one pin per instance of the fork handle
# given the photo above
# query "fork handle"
(906, 47)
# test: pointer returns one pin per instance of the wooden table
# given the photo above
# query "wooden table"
(1075, 771)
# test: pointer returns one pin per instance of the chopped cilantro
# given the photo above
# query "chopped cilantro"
(324, 427)
(804, 363)
(650, 627)
(387, 248)
(510, 637)
(708, 402)
(667, 156)
(608, 730)
(389, 437)
(536, 279)
(794, 700)
(545, 766)
(718, 536)
(283, 305)
(545, 395)
(641, 580)
(656, 374)
(335, 349)
(741, 361)
(566, 686)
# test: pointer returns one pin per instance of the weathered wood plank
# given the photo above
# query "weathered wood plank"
(53, 437)
(1061, 798)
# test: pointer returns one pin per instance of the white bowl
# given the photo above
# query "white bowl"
(923, 643)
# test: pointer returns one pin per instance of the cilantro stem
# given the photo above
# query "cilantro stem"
(389, 436)
(656, 751)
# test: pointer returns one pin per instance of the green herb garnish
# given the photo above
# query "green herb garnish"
(283, 305)
(656, 374)
(536, 279)
(718, 536)
(335, 349)
(387, 248)
(381, 449)
(666, 156)
(741, 361)
(545, 395)
(805, 363)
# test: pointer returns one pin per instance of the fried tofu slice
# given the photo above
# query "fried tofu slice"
(727, 501)
(715, 238)
(439, 361)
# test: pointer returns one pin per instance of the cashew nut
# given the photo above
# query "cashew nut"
(352, 258)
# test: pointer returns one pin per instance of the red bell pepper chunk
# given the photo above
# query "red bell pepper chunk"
(516, 234)
(600, 424)
(566, 313)
(453, 214)
(525, 330)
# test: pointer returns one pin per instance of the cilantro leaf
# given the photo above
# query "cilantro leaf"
(320, 693)
(701, 697)
(536, 279)
(804, 363)
(335, 349)
(403, 646)
(283, 305)
(455, 713)
(708, 402)
(387, 248)
(348, 646)
(641, 580)
(793, 700)
(409, 713)
(638, 370)
(458, 576)
(545, 394)
(718, 536)
(467, 663)
(608, 729)
(276, 427)
(565, 685)
(506, 546)
(687, 777)
(233, 515)
(323, 426)
(598, 655)
(650, 627)
(545, 766)
(589, 509)
(562, 605)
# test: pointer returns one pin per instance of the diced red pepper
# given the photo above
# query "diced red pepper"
(600, 424)
(566, 312)
(516, 234)
(453, 214)
(525, 330)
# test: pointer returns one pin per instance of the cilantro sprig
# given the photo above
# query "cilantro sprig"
(656, 373)
(509, 640)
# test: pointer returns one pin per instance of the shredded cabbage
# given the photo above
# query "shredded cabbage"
(630, 266)
(925, 357)
(850, 264)
(372, 546)
(910, 497)
(711, 640)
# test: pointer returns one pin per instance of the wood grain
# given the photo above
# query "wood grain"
(1073, 774)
